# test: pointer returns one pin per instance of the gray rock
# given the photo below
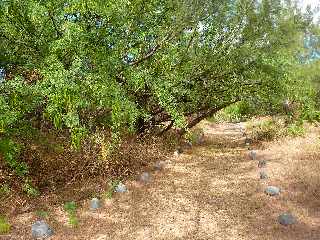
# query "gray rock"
(178, 151)
(95, 203)
(188, 145)
(287, 219)
(262, 163)
(41, 230)
(286, 106)
(263, 175)
(159, 165)
(272, 191)
(253, 155)
(121, 188)
(2, 75)
(200, 139)
(145, 177)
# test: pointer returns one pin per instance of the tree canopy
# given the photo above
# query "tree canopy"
(132, 65)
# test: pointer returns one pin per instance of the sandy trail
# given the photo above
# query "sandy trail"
(212, 191)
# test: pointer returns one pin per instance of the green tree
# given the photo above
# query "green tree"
(138, 64)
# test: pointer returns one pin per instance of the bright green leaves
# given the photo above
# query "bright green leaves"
(66, 96)
(77, 134)
(10, 152)
(71, 209)
(16, 99)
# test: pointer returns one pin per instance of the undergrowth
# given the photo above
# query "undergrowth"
(11, 151)
(71, 208)
(268, 129)
(4, 225)
(112, 186)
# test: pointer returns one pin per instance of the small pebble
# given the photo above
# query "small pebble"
(200, 139)
(121, 188)
(95, 203)
(287, 219)
(253, 155)
(262, 163)
(177, 152)
(41, 230)
(272, 191)
(159, 165)
(188, 145)
(145, 177)
(263, 175)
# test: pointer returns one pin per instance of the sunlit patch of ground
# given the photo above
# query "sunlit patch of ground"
(212, 191)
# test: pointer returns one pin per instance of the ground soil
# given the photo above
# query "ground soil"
(211, 191)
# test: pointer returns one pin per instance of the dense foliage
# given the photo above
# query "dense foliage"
(132, 65)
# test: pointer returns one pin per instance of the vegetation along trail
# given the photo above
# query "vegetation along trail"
(211, 191)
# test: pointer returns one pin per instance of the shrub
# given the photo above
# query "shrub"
(10, 151)
(267, 129)
(71, 71)
(30, 190)
(272, 128)
(42, 214)
(112, 185)
(71, 208)
(4, 190)
(296, 130)
(4, 225)
(235, 113)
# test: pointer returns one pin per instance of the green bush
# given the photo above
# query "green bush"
(4, 225)
(268, 130)
(10, 151)
(235, 113)
(29, 189)
(274, 128)
(194, 135)
(4, 190)
(296, 130)
(42, 214)
(112, 185)
(71, 208)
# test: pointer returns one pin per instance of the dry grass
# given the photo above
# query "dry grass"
(294, 165)
(209, 192)
(64, 174)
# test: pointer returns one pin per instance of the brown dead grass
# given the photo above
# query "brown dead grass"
(209, 192)
(62, 174)
(295, 165)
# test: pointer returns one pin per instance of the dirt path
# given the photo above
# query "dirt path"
(212, 191)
